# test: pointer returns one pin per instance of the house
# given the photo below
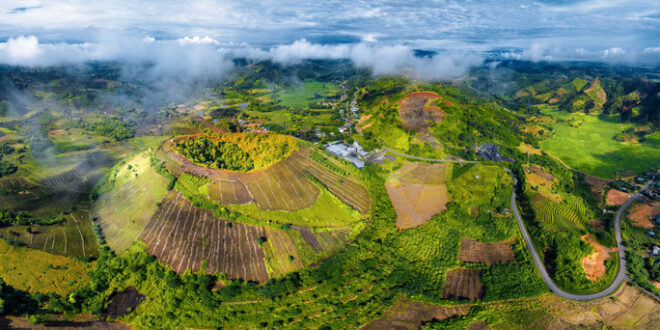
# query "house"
(353, 153)
(656, 250)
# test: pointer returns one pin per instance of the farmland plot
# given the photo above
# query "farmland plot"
(124, 210)
(474, 251)
(74, 237)
(183, 236)
(417, 192)
(283, 186)
(463, 283)
(291, 249)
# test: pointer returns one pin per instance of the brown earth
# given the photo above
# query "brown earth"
(488, 253)
(463, 283)
(594, 264)
(283, 186)
(617, 197)
(418, 111)
(480, 325)
(182, 236)
(418, 192)
(78, 322)
(640, 214)
(123, 303)
(406, 314)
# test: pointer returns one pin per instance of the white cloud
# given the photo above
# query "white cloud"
(197, 40)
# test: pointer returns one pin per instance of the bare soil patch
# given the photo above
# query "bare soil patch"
(418, 192)
(123, 303)
(488, 253)
(617, 197)
(406, 314)
(594, 264)
(463, 283)
(418, 111)
(640, 214)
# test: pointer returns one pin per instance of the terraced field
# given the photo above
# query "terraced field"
(75, 237)
(183, 237)
(284, 186)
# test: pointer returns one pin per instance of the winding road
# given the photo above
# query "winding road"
(620, 276)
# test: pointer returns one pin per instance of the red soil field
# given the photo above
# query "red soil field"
(463, 283)
(488, 253)
(594, 264)
(640, 214)
(418, 112)
(617, 197)
(182, 236)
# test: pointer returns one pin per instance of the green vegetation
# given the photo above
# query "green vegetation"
(215, 154)
(237, 151)
(316, 215)
(126, 198)
(7, 168)
(591, 148)
(21, 218)
(40, 272)
(113, 128)
(306, 93)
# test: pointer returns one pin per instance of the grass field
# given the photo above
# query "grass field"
(38, 271)
(307, 92)
(131, 199)
(591, 149)
(654, 139)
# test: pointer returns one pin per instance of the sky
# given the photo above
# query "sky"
(464, 32)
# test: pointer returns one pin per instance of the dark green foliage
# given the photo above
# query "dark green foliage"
(114, 128)
(13, 302)
(215, 154)
(7, 168)
(10, 218)
(638, 272)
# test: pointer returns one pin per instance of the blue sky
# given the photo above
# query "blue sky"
(612, 30)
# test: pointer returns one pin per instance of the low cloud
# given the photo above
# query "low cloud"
(206, 57)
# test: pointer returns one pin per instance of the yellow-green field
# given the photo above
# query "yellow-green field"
(129, 201)
(37, 271)
(590, 147)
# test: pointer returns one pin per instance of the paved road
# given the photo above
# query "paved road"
(431, 159)
(620, 276)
